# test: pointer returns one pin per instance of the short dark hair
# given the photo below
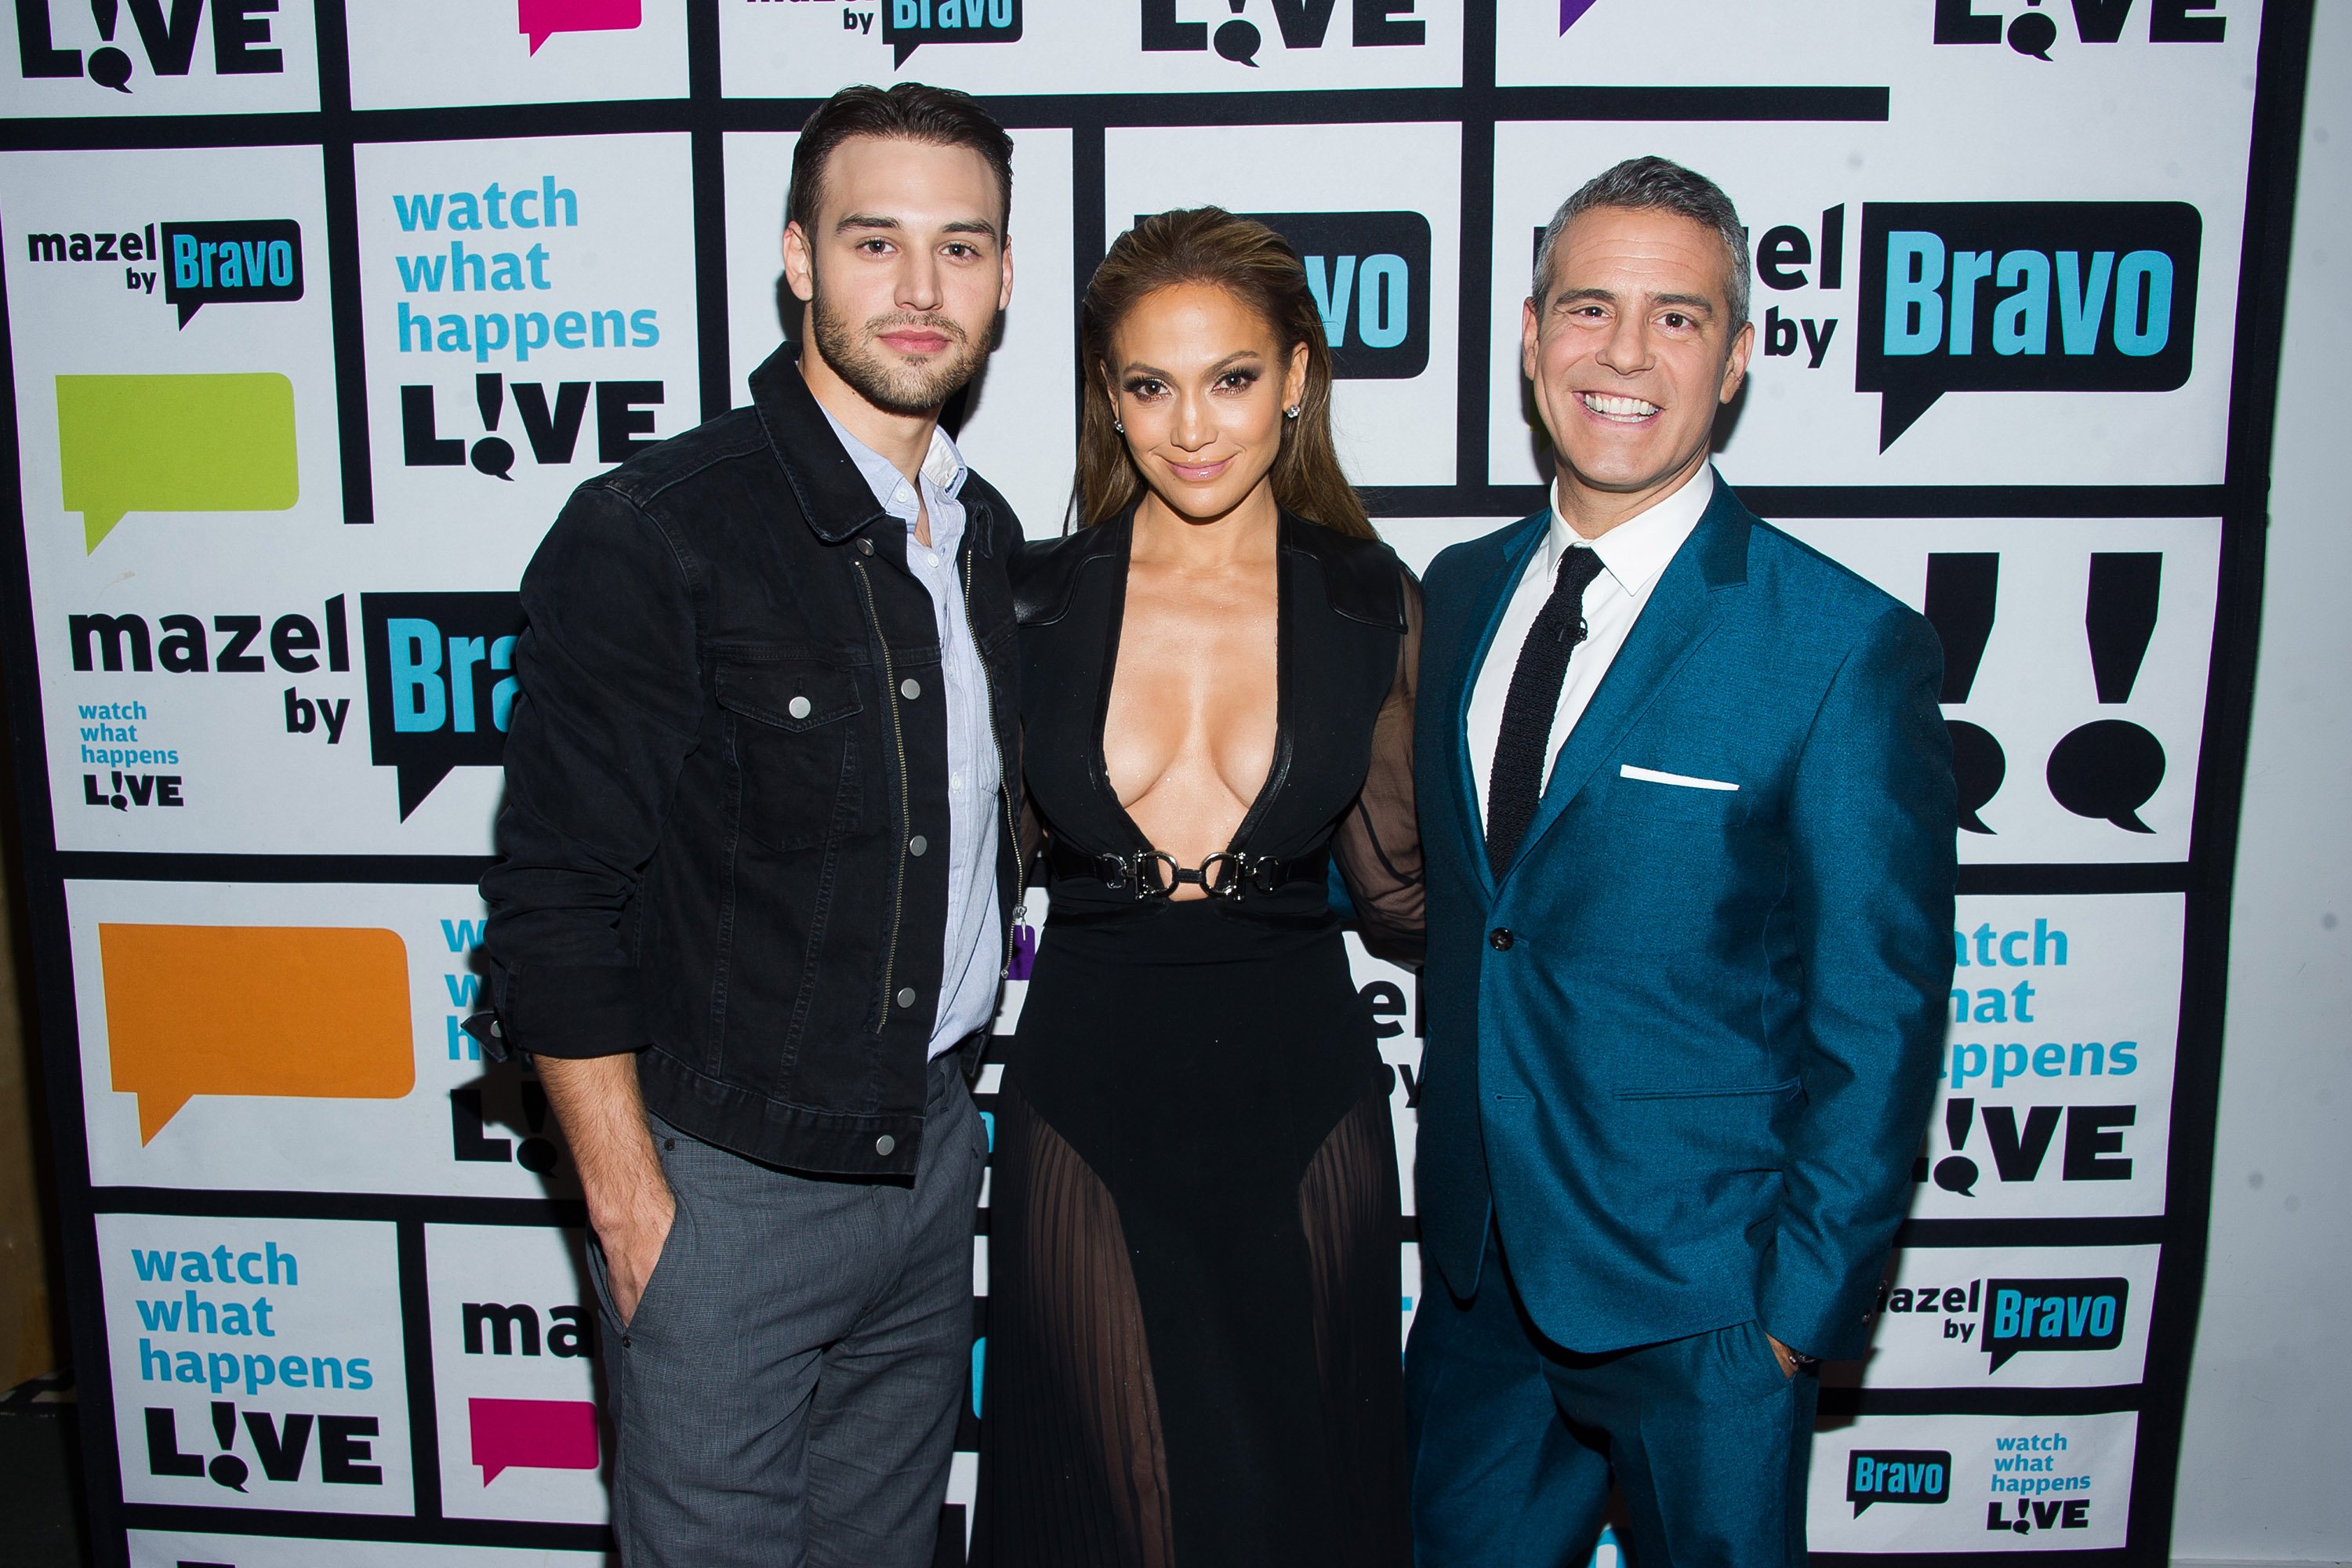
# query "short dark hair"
(1654, 184)
(909, 112)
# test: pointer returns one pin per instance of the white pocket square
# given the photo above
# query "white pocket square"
(1652, 775)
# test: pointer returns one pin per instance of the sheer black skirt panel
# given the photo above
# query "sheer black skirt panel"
(1194, 1357)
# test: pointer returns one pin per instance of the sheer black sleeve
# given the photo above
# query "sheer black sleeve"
(1378, 844)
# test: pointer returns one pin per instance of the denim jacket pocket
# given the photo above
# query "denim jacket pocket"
(794, 747)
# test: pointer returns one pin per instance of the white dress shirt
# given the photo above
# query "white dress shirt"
(974, 949)
(1633, 555)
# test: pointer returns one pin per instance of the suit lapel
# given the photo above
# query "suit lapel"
(1678, 618)
(1486, 614)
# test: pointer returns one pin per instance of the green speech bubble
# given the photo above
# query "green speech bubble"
(174, 443)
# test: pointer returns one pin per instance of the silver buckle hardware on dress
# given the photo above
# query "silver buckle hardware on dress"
(1154, 873)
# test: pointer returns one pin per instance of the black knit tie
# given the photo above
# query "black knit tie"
(1520, 754)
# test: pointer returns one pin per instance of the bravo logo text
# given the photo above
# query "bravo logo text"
(253, 261)
(1370, 275)
(2008, 1317)
(908, 25)
(1897, 1475)
(440, 688)
(166, 39)
(1300, 24)
(2033, 30)
(2023, 296)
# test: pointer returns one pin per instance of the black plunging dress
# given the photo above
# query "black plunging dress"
(1193, 1354)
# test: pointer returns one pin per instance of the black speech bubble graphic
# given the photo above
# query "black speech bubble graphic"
(908, 25)
(2023, 296)
(2053, 1315)
(440, 683)
(2109, 768)
(1979, 766)
(1238, 42)
(245, 262)
(2032, 34)
(1897, 1475)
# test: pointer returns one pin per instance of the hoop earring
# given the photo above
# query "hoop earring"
(1291, 412)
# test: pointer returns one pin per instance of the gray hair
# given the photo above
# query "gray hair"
(1654, 184)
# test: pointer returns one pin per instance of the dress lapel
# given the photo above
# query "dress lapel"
(1679, 617)
(1502, 569)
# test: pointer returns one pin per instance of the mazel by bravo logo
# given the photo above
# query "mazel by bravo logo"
(2033, 31)
(2023, 296)
(2009, 1317)
(1300, 24)
(440, 688)
(247, 261)
(1920, 1476)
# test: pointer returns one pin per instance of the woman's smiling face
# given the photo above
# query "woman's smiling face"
(1200, 382)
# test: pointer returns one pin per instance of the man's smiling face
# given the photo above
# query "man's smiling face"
(1632, 349)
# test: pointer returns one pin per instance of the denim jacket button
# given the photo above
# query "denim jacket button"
(910, 688)
(918, 845)
(884, 1144)
(865, 547)
(798, 707)
(907, 996)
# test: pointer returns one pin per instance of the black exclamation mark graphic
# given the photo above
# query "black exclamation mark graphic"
(1961, 592)
(226, 1470)
(493, 455)
(1956, 1172)
(2111, 767)
(110, 67)
(537, 1153)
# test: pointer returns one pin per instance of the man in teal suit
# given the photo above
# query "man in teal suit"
(1687, 806)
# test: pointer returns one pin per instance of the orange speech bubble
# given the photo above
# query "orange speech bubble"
(313, 1012)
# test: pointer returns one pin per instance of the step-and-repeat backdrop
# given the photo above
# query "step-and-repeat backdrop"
(315, 312)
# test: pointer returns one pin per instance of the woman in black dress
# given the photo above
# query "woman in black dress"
(1193, 1321)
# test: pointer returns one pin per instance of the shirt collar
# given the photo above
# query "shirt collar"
(1637, 550)
(943, 468)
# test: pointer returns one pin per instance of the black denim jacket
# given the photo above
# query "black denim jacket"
(730, 725)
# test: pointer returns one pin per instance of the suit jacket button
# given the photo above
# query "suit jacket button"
(884, 1144)
(1500, 938)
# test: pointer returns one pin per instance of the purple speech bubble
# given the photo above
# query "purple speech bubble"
(1572, 11)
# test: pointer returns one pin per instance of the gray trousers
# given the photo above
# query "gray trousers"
(787, 1393)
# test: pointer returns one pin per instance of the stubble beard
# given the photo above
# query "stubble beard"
(855, 353)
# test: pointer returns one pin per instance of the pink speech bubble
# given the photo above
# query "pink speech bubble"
(535, 1433)
(539, 20)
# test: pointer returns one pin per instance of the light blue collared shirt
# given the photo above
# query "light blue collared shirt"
(975, 946)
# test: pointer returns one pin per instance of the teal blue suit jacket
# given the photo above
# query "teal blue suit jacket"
(1689, 1084)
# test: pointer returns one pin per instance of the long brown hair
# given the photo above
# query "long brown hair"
(1256, 266)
